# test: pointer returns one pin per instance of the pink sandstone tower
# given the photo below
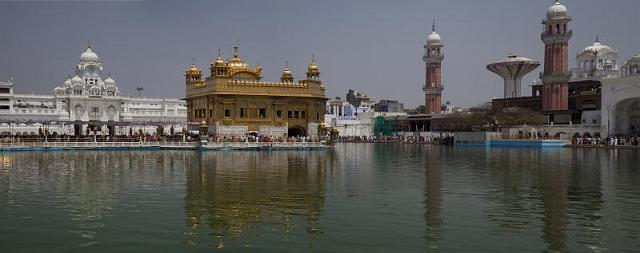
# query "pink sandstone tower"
(433, 57)
(556, 73)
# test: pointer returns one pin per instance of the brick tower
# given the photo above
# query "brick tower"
(556, 73)
(433, 56)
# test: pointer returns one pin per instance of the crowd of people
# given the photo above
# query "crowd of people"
(612, 141)
(261, 138)
(448, 140)
(595, 141)
(135, 137)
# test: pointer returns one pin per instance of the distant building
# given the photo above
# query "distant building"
(235, 101)
(388, 106)
(348, 119)
(356, 98)
(87, 102)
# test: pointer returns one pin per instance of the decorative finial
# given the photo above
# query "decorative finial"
(219, 54)
(193, 61)
(88, 43)
(286, 64)
(235, 51)
(597, 38)
(313, 58)
(433, 26)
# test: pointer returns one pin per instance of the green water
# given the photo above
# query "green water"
(357, 198)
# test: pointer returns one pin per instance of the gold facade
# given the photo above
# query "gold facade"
(235, 98)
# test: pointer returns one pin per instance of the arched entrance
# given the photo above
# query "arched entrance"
(296, 131)
(620, 101)
(626, 117)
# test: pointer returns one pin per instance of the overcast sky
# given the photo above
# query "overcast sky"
(371, 46)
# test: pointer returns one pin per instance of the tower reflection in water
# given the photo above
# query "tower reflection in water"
(433, 199)
(237, 196)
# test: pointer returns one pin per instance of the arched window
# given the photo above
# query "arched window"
(557, 28)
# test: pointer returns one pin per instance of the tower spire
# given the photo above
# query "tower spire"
(88, 43)
(235, 49)
(433, 25)
(597, 38)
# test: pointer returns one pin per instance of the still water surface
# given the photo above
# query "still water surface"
(357, 198)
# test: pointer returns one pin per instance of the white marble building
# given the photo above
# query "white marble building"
(595, 62)
(87, 101)
(620, 111)
(349, 120)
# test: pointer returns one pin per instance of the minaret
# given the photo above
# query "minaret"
(556, 75)
(433, 57)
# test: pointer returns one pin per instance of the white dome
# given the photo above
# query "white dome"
(556, 11)
(89, 56)
(599, 48)
(67, 82)
(109, 81)
(76, 80)
(433, 38)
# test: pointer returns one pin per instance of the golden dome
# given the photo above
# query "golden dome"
(236, 61)
(193, 70)
(219, 60)
(312, 66)
(287, 76)
(286, 71)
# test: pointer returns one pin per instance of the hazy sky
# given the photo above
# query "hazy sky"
(372, 46)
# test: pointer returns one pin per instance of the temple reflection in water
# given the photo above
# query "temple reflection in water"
(407, 197)
(237, 196)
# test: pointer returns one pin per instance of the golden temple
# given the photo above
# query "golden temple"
(235, 101)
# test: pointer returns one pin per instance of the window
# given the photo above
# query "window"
(4, 107)
(279, 114)
(317, 116)
(262, 113)
(289, 114)
(5, 90)
(302, 114)
(227, 113)
(295, 114)
(241, 112)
